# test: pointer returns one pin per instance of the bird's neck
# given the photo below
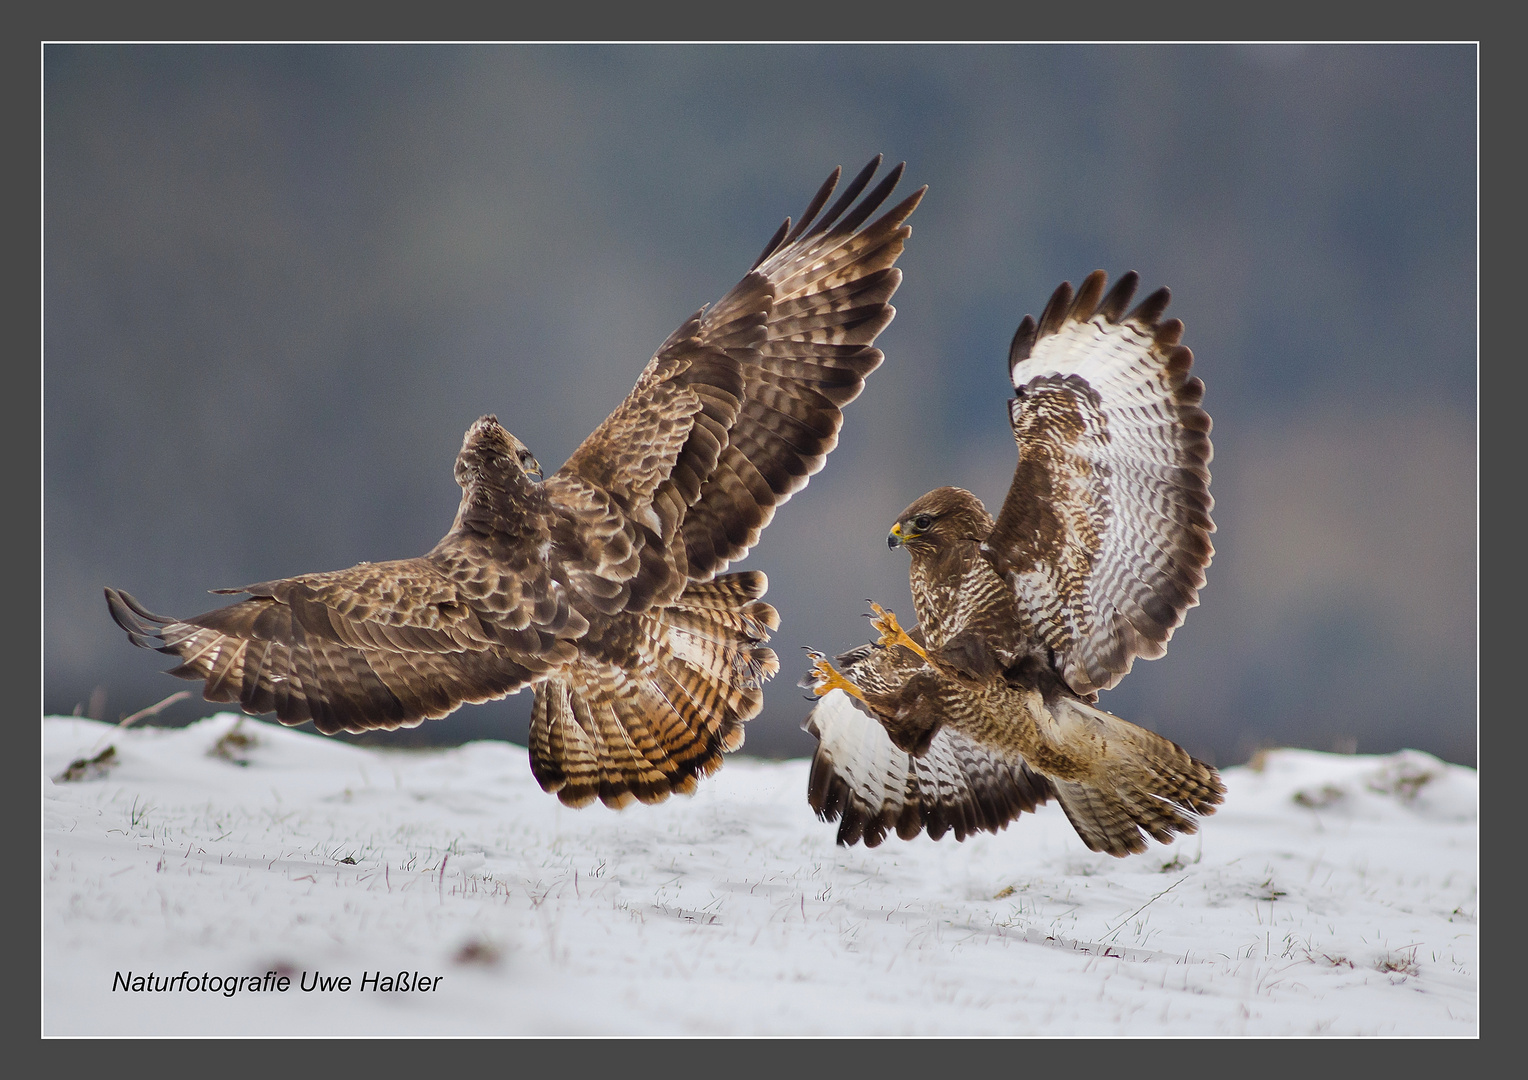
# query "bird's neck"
(931, 571)
(512, 509)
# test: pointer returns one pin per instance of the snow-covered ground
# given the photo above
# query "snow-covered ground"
(1331, 895)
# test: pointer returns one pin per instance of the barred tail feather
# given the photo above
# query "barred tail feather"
(1139, 785)
(602, 732)
(587, 745)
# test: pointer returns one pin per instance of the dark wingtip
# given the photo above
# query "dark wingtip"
(1055, 310)
(856, 217)
(848, 196)
(1149, 310)
(139, 623)
(1022, 345)
(1114, 304)
(810, 213)
(126, 611)
(1089, 293)
(117, 606)
(774, 243)
(903, 210)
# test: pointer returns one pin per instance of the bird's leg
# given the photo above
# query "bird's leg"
(891, 631)
(824, 677)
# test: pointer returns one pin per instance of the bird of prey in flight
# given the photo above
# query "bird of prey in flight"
(603, 586)
(987, 706)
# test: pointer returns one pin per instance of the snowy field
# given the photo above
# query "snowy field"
(1331, 895)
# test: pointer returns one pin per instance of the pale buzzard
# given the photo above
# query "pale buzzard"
(602, 586)
(987, 708)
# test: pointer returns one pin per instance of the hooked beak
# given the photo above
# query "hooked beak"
(894, 538)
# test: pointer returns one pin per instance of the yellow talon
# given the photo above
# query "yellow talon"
(827, 677)
(891, 631)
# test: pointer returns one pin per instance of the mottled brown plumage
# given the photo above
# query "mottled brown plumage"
(1097, 553)
(604, 586)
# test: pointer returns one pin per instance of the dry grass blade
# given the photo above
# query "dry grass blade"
(157, 707)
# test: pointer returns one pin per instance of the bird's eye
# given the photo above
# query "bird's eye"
(922, 522)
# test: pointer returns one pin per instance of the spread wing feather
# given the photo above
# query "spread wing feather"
(292, 660)
(1105, 532)
(860, 779)
(739, 406)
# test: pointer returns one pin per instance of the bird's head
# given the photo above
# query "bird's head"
(491, 453)
(943, 516)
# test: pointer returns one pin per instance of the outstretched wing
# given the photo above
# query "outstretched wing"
(861, 778)
(1105, 532)
(736, 410)
(389, 644)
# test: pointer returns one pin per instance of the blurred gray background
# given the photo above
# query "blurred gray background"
(279, 283)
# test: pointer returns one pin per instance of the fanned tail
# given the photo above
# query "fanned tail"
(1140, 784)
(623, 736)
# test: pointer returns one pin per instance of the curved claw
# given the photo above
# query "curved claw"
(825, 677)
(886, 624)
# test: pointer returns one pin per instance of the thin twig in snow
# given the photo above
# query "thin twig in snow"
(179, 695)
(1110, 933)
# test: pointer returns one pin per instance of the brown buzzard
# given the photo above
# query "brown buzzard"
(602, 586)
(987, 707)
